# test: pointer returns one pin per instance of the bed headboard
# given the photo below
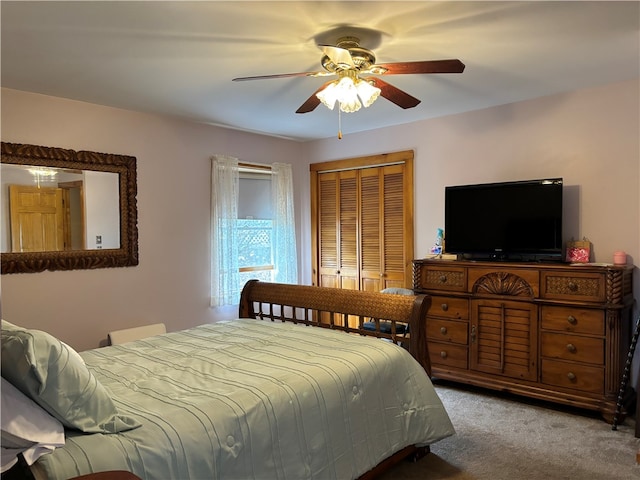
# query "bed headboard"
(340, 309)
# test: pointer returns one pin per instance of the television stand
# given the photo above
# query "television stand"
(549, 331)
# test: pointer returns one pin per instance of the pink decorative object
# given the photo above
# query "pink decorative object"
(619, 258)
(578, 251)
(578, 255)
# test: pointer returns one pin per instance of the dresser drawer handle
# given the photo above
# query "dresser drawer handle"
(444, 307)
(443, 279)
(571, 376)
(573, 287)
(571, 348)
(443, 330)
(443, 354)
(572, 320)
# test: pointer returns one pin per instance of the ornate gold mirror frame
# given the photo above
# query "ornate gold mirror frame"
(124, 166)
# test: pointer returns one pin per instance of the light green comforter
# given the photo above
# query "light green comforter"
(251, 399)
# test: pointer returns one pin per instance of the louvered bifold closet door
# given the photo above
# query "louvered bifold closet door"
(362, 222)
(396, 257)
(338, 229)
(382, 213)
(328, 229)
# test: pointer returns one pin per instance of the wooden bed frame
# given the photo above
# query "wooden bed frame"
(334, 307)
(324, 307)
(340, 309)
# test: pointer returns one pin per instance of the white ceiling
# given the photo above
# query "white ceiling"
(178, 58)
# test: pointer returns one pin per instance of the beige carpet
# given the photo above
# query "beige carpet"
(499, 438)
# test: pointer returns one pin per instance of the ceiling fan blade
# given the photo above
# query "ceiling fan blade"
(394, 94)
(312, 102)
(340, 56)
(427, 66)
(283, 75)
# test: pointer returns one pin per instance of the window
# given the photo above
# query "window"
(254, 250)
(252, 227)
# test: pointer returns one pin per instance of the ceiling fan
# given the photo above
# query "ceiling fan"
(358, 83)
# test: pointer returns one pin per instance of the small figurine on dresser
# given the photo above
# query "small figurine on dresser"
(438, 246)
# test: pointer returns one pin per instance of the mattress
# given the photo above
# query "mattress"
(251, 399)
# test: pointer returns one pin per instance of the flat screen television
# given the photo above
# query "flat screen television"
(511, 221)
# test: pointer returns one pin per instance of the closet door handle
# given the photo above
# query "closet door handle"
(473, 333)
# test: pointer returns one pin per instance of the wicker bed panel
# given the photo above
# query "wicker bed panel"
(332, 307)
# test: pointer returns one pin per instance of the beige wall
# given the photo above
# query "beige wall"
(171, 284)
(588, 137)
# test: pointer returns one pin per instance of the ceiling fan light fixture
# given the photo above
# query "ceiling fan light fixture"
(342, 91)
(350, 94)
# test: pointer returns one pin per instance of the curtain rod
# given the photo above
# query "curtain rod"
(259, 166)
(254, 168)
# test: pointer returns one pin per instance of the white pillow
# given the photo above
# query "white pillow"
(26, 428)
(73, 353)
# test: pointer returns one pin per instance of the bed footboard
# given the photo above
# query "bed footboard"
(342, 309)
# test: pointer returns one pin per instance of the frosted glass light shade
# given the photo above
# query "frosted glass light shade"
(349, 95)
(367, 92)
(328, 95)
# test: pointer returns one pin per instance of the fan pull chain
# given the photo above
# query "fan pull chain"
(339, 124)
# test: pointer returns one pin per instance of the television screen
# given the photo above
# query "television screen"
(505, 221)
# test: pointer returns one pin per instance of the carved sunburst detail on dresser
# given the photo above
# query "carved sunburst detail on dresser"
(503, 283)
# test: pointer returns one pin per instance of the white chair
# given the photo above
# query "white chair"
(118, 337)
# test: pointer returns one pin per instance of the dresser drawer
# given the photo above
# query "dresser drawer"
(573, 320)
(447, 331)
(449, 279)
(449, 355)
(572, 347)
(571, 375)
(582, 286)
(449, 307)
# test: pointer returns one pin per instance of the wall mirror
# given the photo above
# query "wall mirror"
(65, 210)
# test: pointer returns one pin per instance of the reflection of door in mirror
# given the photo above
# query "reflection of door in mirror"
(74, 215)
(46, 219)
(37, 218)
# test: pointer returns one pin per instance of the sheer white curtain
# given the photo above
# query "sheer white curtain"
(225, 277)
(285, 259)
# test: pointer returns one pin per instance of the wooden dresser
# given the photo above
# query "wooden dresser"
(554, 332)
